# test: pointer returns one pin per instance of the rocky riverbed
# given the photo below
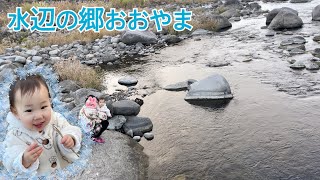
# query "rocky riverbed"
(266, 131)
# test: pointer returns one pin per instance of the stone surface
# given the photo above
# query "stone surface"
(128, 81)
(137, 126)
(126, 108)
(20, 59)
(210, 88)
(274, 13)
(180, 86)
(68, 86)
(198, 32)
(133, 37)
(120, 157)
(148, 136)
(316, 13)
(80, 95)
(116, 122)
(171, 39)
(286, 19)
(298, 65)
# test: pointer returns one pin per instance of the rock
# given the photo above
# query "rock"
(316, 38)
(288, 33)
(254, 6)
(286, 19)
(126, 108)
(293, 40)
(89, 56)
(294, 46)
(128, 81)
(67, 100)
(80, 95)
(116, 122)
(106, 58)
(55, 59)
(54, 52)
(115, 40)
(96, 48)
(136, 138)
(235, 19)
(133, 37)
(120, 157)
(171, 39)
(37, 59)
(270, 33)
(10, 58)
(296, 51)
(316, 52)
(219, 22)
(68, 86)
(213, 87)
(231, 13)
(8, 66)
(180, 86)
(148, 136)
(232, 4)
(90, 62)
(137, 126)
(274, 13)
(20, 59)
(297, 65)
(32, 52)
(4, 73)
(316, 13)
(312, 66)
(299, 1)
(200, 32)
(291, 61)
(217, 64)
(69, 106)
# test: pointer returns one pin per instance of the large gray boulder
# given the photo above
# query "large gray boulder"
(133, 37)
(116, 122)
(137, 126)
(126, 108)
(120, 157)
(274, 13)
(231, 13)
(67, 86)
(80, 95)
(285, 19)
(214, 87)
(218, 22)
(316, 13)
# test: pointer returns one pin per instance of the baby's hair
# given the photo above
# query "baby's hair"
(103, 96)
(26, 86)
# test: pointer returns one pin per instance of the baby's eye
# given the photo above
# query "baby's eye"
(28, 110)
(43, 107)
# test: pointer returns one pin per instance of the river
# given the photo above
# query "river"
(270, 130)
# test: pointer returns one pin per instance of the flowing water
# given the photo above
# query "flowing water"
(270, 130)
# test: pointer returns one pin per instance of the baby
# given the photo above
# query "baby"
(95, 117)
(38, 140)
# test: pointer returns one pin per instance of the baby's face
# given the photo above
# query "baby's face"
(34, 111)
(102, 102)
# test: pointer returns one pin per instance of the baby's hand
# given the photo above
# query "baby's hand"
(31, 154)
(67, 141)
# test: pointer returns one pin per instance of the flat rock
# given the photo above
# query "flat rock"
(133, 37)
(128, 81)
(68, 86)
(298, 65)
(126, 108)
